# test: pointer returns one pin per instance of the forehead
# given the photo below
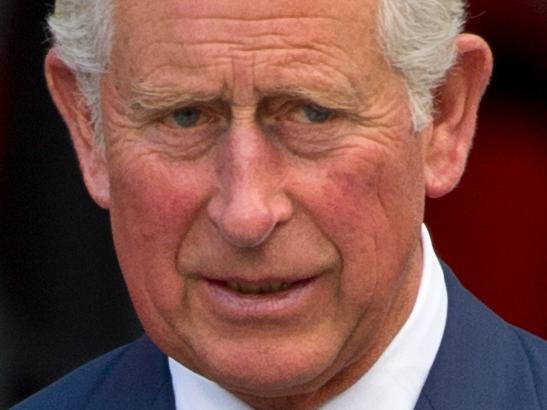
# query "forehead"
(236, 15)
(197, 38)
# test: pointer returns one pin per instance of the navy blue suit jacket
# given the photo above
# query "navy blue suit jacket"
(483, 363)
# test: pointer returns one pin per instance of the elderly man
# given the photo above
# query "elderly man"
(265, 166)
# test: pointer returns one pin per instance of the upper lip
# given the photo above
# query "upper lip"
(262, 286)
(245, 281)
(251, 282)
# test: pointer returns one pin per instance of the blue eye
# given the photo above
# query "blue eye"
(316, 114)
(187, 117)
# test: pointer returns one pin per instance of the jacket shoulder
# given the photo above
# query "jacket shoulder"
(535, 350)
(132, 376)
(483, 362)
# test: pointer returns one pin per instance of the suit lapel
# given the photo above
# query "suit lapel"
(480, 363)
(140, 379)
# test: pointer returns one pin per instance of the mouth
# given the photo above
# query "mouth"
(238, 299)
(261, 288)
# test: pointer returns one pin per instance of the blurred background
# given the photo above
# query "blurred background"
(62, 299)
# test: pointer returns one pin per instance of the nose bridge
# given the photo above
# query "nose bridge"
(251, 200)
(252, 165)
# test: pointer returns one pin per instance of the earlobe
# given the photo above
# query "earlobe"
(66, 95)
(451, 135)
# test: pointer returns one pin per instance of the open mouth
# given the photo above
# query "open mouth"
(265, 288)
(234, 299)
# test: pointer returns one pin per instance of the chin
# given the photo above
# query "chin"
(267, 370)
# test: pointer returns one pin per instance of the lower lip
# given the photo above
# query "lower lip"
(232, 305)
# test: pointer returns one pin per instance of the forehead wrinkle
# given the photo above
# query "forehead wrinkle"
(147, 97)
(251, 19)
(277, 36)
(199, 29)
(279, 10)
(300, 72)
(150, 95)
(319, 83)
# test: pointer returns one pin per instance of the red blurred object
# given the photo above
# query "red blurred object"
(493, 228)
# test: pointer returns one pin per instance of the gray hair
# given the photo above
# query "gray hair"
(82, 34)
(417, 37)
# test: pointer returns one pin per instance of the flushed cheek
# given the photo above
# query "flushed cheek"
(152, 208)
(359, 201)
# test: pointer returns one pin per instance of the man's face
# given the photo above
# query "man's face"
(265, 187)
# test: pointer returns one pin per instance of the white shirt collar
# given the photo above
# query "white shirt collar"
(394, 382)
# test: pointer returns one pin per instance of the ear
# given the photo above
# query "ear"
(65, 92)
(451, 135)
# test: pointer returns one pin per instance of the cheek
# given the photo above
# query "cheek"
(360, 202)
(152, 208)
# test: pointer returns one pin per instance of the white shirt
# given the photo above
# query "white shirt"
(394, 382)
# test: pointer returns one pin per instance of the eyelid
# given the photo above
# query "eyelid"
(278, 108)
(208, 112)
(148, 114)
(298, 109)
(204, 108)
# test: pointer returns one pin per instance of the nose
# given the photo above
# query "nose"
(250, 202)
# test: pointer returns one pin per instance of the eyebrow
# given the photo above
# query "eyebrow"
(334, 98)
(147, 99)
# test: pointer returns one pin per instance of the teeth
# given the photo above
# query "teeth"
(285, 285)
(251, 289)
(234, 286)
(274, 287)
(257, 289)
